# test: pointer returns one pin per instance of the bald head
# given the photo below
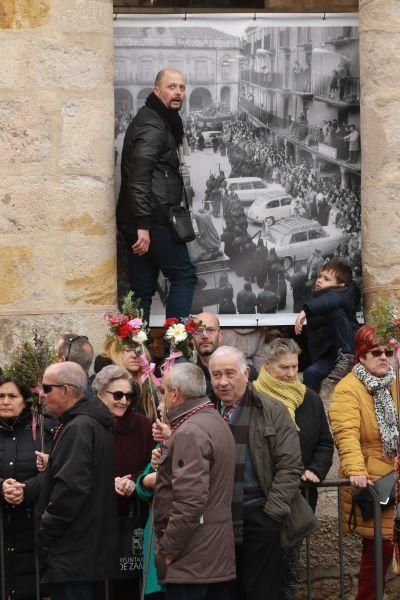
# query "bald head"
(169, 87)
(66, 383)
(208, 337)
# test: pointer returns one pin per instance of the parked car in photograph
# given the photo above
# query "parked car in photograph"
(208, 137)
(296, 238)
(274, 204)
(247, 189)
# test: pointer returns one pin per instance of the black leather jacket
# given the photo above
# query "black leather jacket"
(150, 174)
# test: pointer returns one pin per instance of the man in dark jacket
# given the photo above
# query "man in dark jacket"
(268, 509)
(151, 183)
(246, 300)
(331, 324)
(194, 550)
(77, 508)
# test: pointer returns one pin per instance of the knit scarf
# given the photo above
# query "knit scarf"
(291, 394)
(239, 423)
(379, 388)
(170, 116)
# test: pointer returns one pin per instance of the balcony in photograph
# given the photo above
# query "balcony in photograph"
(201, 78)
(144, 78)
(347, 93)
(339, 36)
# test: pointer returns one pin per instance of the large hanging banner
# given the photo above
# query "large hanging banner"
(272, 169)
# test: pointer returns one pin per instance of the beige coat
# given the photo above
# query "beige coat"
(357, 438)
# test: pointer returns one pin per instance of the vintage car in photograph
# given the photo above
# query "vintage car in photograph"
(297, 238)
(273, 205)
(209, 136)
(247, 189)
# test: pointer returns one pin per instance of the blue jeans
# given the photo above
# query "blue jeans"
(72, 590)
(315, 373)
(173, 260)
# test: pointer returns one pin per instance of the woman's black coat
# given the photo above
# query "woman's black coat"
(18, 461)
(316, 441)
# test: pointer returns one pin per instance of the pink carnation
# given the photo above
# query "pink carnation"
(135, 323)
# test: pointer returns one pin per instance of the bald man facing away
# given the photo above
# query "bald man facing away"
(77, 508)
(151, 182)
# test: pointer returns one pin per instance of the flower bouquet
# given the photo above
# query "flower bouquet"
(385, 318)
(179, 334)
(27, 365)
(130, 331)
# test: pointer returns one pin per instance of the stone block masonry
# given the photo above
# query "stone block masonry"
(57, 205)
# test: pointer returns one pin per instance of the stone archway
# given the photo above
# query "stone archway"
(200, 98)
(226, 97)
(123, 100)
(141, 97)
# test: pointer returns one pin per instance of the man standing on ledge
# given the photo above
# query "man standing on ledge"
(151, 182)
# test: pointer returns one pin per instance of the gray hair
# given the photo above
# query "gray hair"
(280, 346)
(227, 350)
(77, 348)
(70, 373)
(109, 374)
(188, 379)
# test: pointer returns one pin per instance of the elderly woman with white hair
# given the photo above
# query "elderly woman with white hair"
(278, 379)
(133, 444)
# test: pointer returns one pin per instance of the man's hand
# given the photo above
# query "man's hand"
(161, 431)
(143, 242)
(298, 326)
(41, 461)
(13, 491)
(310, 476)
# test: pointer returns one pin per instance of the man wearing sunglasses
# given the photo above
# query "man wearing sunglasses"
(76, 508)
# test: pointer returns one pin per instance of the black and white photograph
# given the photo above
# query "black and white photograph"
(272, 161)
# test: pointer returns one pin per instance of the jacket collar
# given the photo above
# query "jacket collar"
(183, 409)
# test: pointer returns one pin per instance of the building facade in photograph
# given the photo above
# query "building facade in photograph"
(303, 84)
(208, 58)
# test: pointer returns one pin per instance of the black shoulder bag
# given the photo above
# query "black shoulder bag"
(384, 487)
(180, 219)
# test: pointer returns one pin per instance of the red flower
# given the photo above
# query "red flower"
(170, 321)
(124, 330)
(191, 328)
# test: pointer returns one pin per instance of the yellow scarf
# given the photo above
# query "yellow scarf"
(291, 394)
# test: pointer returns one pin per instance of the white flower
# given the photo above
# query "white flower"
(140, 337)
(177, 333)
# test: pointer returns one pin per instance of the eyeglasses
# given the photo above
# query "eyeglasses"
(119, 395)
(48, 387)
(378, 352)
(72, 340)
(206, 331)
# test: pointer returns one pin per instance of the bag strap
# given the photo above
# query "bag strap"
(352, 523)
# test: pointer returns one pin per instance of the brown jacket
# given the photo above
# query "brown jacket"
(275, 452)
(192, 502)
(357, 438)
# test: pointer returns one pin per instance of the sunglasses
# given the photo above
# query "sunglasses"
(119, 395)
(378, 352)
(72, 340)
(48, 387)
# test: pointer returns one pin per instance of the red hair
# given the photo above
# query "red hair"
(365, 340)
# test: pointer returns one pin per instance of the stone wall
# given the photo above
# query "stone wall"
(380, 123)
(57, 245)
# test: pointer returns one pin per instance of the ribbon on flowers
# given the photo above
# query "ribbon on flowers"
(169, 362)
(147, 370)
(396, 345)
